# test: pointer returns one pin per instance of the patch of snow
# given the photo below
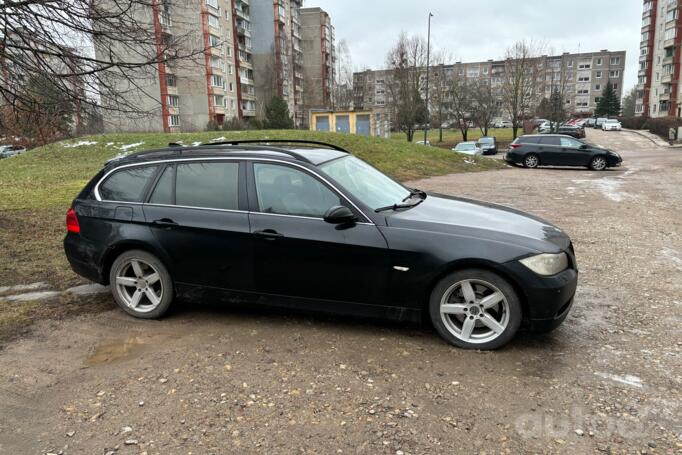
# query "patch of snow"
(23, 287)
(88, 289)
(673, 256)
(79, 144)
(109, 144)
(218, 139)
(130, 146)
(608, 187)
(196, 144)
(627, 379)
(30, 296)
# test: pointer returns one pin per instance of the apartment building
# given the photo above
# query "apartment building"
(658, 89)
(277, 54)
(580, 76)
(319, 58)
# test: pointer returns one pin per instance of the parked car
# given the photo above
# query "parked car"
(503, 124)
(599, 122)
(488, 145)
(590, 122)
(11, 150)
(469, 148)
(535, 150)
(573, 131)
(611, 125)
(308, 225)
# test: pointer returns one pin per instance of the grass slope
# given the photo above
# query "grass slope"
(452, 137)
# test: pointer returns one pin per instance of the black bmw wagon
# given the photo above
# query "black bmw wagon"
(308, 225)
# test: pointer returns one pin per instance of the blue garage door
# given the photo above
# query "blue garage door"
(362, 126)
(322, 124)
(342, 124)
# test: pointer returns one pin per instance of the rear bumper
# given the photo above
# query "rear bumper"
(81, 256)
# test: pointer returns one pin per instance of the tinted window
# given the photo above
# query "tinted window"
(550, 140)
(287, 191)
(568, 142)
(126, 185)
(163, 193)
(528, 140)
(212, 185)
(486, 140)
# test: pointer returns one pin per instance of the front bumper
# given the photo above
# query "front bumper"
(548, 300)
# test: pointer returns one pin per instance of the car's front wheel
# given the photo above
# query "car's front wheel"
(598, 163)
(475, 309)
(141, 284)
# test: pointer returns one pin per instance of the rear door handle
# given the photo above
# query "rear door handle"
(268, 234)
(165, 223)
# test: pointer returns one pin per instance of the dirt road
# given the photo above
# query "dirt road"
(212, 380)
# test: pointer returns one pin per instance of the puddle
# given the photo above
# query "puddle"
(112, 351)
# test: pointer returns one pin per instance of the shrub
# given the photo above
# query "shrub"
(661, 126)
(235, 124)
(634, 123)
(212, 125)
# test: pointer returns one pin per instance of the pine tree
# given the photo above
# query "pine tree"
(277, 115)
(609, 104)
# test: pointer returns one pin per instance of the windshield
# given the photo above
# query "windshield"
(370, 186)
(611, 121)
(486, 140)
(465, 146)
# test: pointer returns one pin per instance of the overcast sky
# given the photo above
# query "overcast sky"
(475, 30)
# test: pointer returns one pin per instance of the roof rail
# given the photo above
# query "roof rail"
(278, 141)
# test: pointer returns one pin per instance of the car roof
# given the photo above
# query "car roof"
(467, 143)
(309, 152)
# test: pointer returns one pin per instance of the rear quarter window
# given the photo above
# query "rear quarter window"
(127, 185)
(528, 140)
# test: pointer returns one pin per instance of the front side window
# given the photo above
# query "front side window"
(365, 183)
(568, 142)
(284, 190)
(126, 185)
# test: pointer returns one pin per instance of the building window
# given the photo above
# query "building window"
(583, 92)
(670, 33)
(615, 86)
(173, 120)
(597, 87)
(569, 63)
(597, 99)
(217, 81)
(231, 85)
(213, 21)
(173, 100)
(216, 62)
(212, 3)
(598, 75)
(614, 74)
(599, 61)
(584, 66)
(171, 80)
(584, 79)
(215, 41)
(219, 100)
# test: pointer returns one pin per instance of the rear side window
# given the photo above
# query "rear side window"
(127, 185)
(213, 185)
(528, 140)
(551, 140)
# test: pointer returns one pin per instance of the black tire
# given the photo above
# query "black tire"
(598, 163)
(531, 161)
(515, 312)
(165, 280)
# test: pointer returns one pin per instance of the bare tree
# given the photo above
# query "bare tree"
(407, 60)
(90, 50)
(484, 104)
(439, 94)
(556, 79)
(343, 86)
(461, 102)
(520, 84)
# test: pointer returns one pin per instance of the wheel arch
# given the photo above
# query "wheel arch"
(119, 248)
(474, 263)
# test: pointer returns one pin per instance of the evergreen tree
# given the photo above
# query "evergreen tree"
(557, 111)
(609, 104)
(277, 115)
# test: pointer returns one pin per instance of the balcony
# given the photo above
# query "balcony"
(242, 14)
(668, 60)
(249, 112)
(664, 97)
(667, 79)
(165, 20)
(245, 80)
(669, 42)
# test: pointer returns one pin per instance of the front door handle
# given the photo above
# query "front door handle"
(268, 234)
(166, 223)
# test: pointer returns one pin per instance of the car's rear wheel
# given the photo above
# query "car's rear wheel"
(598, 163)
(531, 161)
(141, 284)
(475, 309)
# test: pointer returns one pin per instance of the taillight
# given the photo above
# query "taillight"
(72, 222)
(514, 146)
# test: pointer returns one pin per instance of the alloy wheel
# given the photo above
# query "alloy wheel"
(598, 163)
(139, 285)
(531, 161)
(474, 311)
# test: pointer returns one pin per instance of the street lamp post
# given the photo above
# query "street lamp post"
(428, 58)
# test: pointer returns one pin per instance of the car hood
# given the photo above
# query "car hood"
(482, 220)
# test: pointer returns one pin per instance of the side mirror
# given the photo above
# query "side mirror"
(339, 215)
(583, 147)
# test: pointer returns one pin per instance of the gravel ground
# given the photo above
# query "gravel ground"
(212, 380)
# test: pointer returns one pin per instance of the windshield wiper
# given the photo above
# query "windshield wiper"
(415, 192)
(398, 206)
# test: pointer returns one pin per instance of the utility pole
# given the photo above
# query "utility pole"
(428, 57)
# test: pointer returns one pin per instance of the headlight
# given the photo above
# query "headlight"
(546, 263)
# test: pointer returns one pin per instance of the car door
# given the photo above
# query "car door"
(548, 150)
(297, 253)
(198, 214)
(571, 154)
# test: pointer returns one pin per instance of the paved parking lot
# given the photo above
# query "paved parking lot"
(212, 380)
